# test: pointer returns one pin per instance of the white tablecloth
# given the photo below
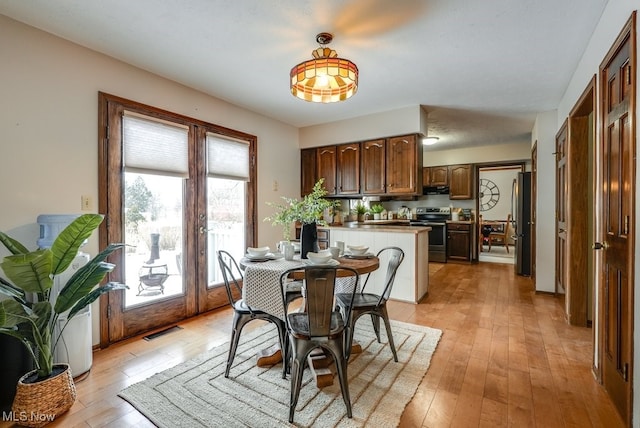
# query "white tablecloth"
(261, 288)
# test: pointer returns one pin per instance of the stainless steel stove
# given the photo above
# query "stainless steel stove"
(436, 218)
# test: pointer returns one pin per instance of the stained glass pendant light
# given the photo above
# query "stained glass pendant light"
(326, 78)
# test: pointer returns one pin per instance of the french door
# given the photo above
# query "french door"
(175, 190)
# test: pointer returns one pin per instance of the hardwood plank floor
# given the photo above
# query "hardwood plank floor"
(506, 358)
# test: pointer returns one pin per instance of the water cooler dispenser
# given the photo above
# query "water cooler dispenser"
(75, 345)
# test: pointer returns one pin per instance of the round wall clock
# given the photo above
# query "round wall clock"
(489, 194)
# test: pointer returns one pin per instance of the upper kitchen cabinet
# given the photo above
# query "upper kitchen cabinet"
(435, 176)
(404, 166)
(348, 169)
(326, 166)
(461, 180)
(374, 157)
(308, 175)
(386, 166)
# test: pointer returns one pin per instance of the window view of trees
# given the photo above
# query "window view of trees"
(153, 222)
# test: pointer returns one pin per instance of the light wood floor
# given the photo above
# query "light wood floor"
(506, 358)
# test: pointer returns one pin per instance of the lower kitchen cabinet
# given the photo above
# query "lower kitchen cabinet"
(460, 242)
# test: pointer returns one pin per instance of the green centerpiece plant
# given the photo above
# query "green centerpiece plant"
(307, 211)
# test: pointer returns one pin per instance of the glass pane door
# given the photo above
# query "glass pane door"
(153, 220)
(226, 223)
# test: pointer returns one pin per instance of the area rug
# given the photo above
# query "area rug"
(196, 393)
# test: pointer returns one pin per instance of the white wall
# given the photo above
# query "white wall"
(48, 129)
(544, 132)
(402, 121)
(517, 151)
(503, 179)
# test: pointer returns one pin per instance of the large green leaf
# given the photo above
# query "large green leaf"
(10, 290)
(91, 297)
(12, 245)
(42, 311)
(13, 313)
(66, 245)
(85, 279)
(30, 272)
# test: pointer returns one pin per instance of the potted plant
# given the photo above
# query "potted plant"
(360, 210)
(376, 210)
(308, 212)
(32, 311)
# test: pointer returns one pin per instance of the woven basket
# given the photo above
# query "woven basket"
(39, 403)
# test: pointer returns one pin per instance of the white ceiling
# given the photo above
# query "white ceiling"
(481, 69)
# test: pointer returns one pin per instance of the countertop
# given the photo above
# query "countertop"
(373, 227)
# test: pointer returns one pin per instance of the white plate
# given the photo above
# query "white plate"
(256, 258)
(274, 256)
(331, 262)
(268, 256)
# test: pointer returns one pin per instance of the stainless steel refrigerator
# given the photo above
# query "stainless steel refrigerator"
(521, 208)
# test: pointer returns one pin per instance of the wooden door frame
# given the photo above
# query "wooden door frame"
(198, 297)
(580, 237)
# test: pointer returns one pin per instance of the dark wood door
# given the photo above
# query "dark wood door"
(561, 210)
(326, 167)
(373, 167)
(618, 88)
(348, 169)
(403, 165)
(308, 176)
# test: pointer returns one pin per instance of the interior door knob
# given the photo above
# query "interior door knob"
(600, 245)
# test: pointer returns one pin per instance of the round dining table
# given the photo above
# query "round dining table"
(261, 290)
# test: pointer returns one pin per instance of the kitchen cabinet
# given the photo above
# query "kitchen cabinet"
(373, 178)
(348, 169)
(326, 165)
(435, 176)
(459, 241)
(391, 166)
(308, 176)
(461, 179)
(403, 165)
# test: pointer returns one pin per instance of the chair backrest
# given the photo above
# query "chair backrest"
(507, 226)
(396, 256)
(231, 274)
(319, 284)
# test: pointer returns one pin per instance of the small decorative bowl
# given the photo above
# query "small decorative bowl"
(357, 250)
(258, 252)
(319, 258)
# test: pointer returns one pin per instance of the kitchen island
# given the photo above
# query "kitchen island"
(412, 279)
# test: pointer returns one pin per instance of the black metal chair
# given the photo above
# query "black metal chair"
(321, 325)
(243, 314)
(373, 304)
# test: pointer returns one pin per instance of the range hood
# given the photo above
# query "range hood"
(435, 190)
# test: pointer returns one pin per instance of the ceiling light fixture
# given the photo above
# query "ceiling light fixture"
(326, 78)
(429, 141)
